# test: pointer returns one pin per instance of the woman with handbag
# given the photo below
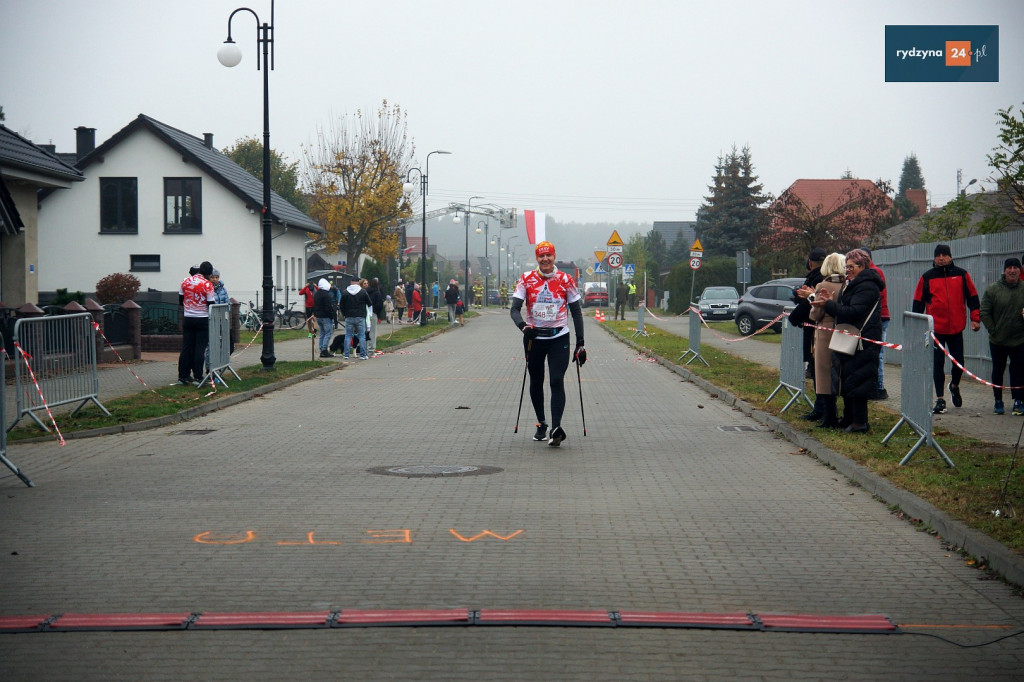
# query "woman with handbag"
(833, 272)
(856, 305)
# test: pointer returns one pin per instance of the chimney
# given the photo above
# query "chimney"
(208, 140)
(85, 141)
(919, 198)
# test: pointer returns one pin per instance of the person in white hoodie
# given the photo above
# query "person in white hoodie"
(323, 309)
(354, 302)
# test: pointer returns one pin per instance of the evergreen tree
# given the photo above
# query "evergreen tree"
(734, 214)
(910, 178)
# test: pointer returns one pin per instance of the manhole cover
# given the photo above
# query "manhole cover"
(435, 470)
(737, 428)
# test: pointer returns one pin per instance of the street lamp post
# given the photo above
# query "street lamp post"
(424, 174)
(229, 55)
(508, 250)
(487, 268)
(469, 212)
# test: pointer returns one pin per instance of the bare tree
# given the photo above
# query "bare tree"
(353, 173)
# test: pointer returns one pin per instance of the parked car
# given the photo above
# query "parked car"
(492, 297)
(761, 304)
(718, 303)
(595, 294)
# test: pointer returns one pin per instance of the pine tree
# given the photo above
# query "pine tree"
(734, 214)
(910, 178)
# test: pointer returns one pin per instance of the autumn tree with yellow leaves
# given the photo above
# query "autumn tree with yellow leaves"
(353, 173)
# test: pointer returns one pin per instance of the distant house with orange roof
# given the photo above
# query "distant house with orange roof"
(836, 213)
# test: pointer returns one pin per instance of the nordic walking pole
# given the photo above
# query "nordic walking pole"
(579, 381)
(529, 345)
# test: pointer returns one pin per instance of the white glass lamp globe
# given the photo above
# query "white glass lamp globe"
(407, 187)
(229, 55)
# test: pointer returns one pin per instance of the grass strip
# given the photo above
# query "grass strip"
(970, 492)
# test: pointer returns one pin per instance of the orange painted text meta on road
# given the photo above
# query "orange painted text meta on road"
(392, 536)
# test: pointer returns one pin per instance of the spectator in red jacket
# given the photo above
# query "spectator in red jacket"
(946, 292)
(309, 291)
(416, 306)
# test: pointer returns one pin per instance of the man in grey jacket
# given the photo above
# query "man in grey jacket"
(1002, 313)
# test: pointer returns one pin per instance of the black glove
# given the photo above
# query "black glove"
(529, 331)
(580, 354)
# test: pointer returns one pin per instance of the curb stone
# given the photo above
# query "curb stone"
(1000, 558)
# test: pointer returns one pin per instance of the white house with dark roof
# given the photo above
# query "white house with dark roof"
(156, 200)
(25, 169)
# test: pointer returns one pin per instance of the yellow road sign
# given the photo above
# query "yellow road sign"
(696, 246)
(615, 239)
(599, 256)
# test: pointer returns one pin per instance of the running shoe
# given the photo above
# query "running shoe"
(1018, 408)
(954, 393)
(558, 435)
(542, 432)
(998, 408)
(940, 406)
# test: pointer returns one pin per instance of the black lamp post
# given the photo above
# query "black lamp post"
(487, 269)
(229, 55)
(469, 212)
(423, 255)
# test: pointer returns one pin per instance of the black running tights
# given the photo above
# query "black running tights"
(556, 352)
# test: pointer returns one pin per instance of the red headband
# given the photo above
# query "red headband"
(545, 248)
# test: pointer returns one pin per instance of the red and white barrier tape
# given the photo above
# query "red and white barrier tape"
(967, 371)
(884, 344)
(26, 357)
(729, 339)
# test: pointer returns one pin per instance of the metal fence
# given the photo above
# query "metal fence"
(219, 349)
(3, 432)
(695, 328)
(916, 384)
(791, 364)
(982, 256)
(62, 354)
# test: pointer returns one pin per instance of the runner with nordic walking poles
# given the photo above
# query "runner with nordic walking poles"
(548, 297)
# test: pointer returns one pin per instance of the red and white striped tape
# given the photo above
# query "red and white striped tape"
(26, 357)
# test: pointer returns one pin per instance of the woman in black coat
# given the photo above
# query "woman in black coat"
(857, 305)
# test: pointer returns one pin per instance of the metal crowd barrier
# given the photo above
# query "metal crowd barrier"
(791, 364)
(694, 350)
(220, 343)
(62, 353)
(641, 330)
(916, 384)
(3, 432)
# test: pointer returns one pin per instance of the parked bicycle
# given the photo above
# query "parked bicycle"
(284, 318)
(250, 318)
(291, 319)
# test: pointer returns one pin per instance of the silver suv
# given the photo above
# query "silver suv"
(761, 304)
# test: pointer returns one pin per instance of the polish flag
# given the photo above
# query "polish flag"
(534, 226)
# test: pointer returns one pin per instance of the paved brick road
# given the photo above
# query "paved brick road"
(660, 507)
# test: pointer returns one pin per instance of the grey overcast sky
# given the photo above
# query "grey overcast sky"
(590, 110)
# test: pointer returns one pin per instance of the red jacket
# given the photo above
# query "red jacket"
(308, 291)
(944, 293)
(417, 301)
(884, 303)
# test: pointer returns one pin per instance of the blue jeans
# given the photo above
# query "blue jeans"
(355, 326)
(326, 325)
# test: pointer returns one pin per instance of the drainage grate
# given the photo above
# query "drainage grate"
(735, 429)
(434, 470)
(194, 432)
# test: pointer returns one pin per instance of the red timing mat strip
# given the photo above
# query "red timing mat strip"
(860, 624)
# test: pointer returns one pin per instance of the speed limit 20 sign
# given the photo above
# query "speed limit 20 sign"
(614, 260)
(695, 263)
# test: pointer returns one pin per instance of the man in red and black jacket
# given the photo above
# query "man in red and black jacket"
(944, 292)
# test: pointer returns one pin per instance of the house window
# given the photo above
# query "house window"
(183, 205)
(148, 262)
(119, 206)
